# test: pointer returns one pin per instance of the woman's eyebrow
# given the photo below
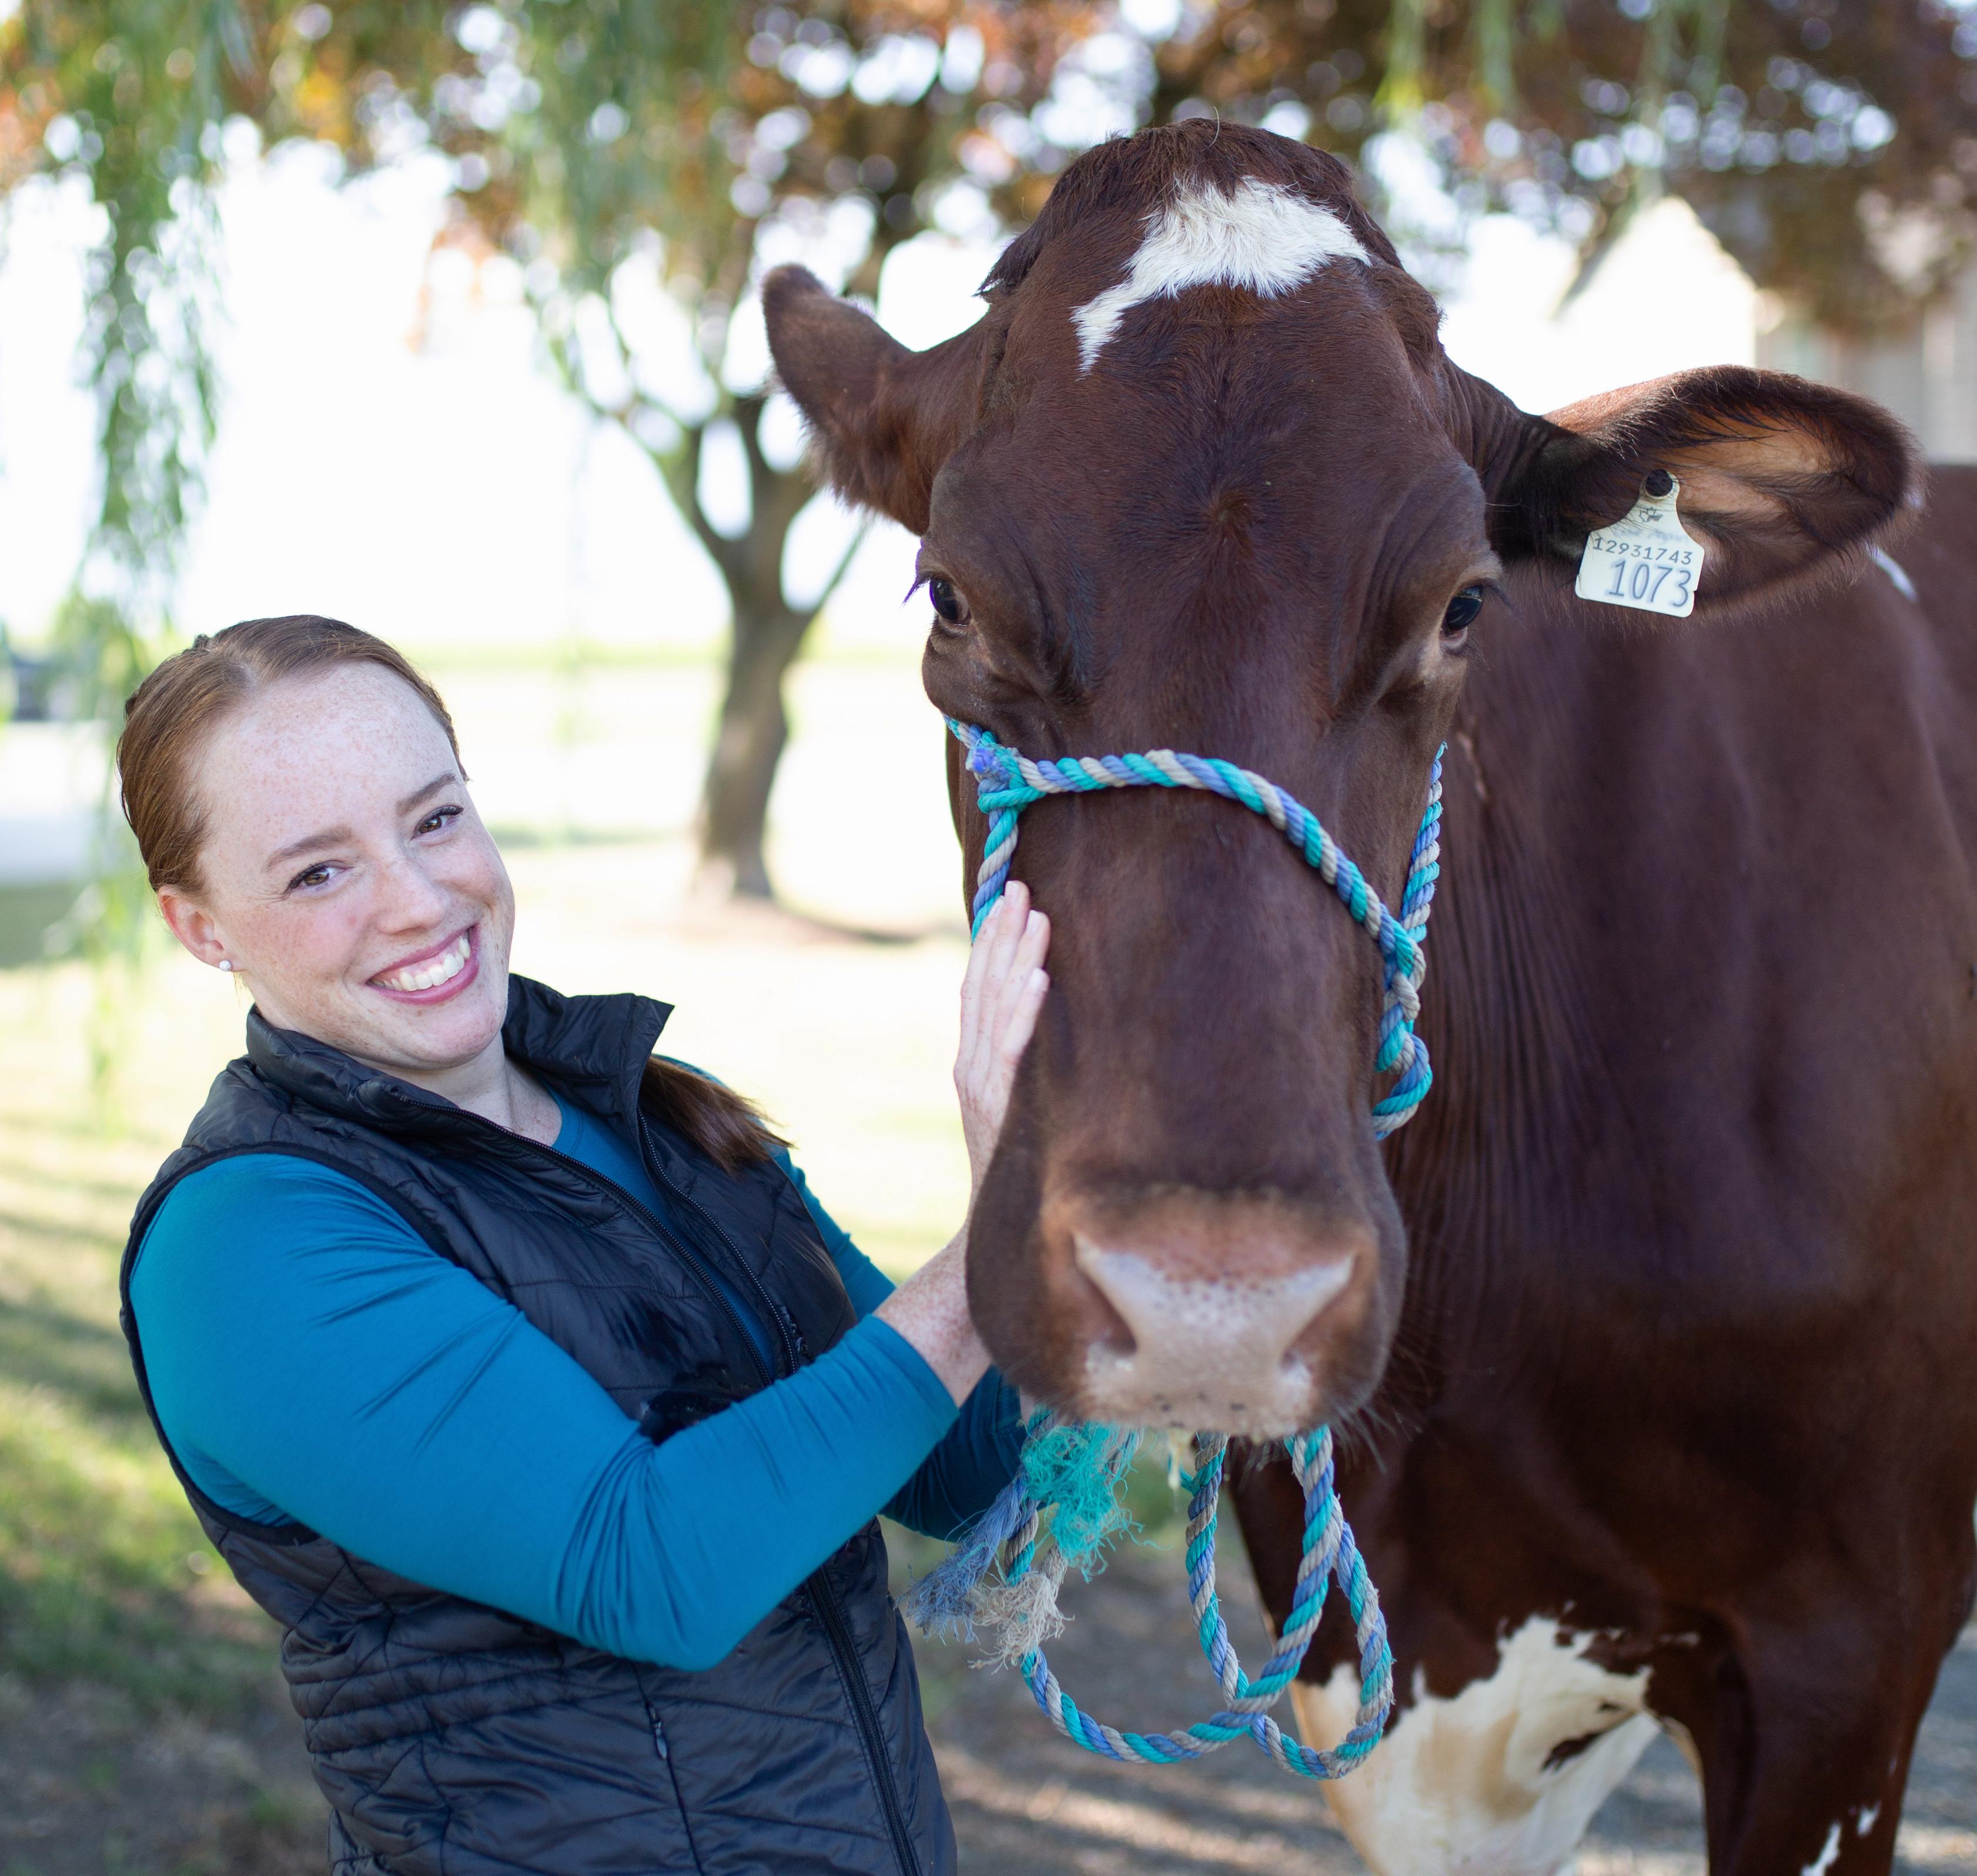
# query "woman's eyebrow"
(295, 849)
(330, 836)
(433, 787)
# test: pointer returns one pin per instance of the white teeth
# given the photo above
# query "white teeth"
(441, 970)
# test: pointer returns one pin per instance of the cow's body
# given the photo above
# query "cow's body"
(1683, 1379)
(1650, 1337)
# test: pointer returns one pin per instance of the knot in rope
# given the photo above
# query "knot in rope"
(1007, 782)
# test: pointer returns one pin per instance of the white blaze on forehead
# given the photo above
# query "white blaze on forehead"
(1263, 237)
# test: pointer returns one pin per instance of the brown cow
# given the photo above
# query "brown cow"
(1665, 1417)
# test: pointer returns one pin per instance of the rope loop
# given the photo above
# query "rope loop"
(1032, 1563)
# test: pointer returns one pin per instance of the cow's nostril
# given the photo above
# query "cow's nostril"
(1102, 1325)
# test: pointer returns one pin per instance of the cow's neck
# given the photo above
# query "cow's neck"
(1521, 1111)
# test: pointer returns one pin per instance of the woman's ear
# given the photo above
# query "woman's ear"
(1786, 483)
(192, 926)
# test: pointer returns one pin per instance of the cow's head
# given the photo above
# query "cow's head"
(1203, 479)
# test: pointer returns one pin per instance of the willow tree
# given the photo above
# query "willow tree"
(595, 142)
(639, 159)
(661, 146)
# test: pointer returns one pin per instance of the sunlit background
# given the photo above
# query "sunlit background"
(400, 443)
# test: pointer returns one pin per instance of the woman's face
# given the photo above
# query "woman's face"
(346, 876)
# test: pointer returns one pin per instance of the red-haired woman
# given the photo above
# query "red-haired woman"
(512, 1368)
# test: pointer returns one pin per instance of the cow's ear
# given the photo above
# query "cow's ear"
(884, 417)
(1786, 483)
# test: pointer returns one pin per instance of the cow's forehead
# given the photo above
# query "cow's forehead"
(1258, 235)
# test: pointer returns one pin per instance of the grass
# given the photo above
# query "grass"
(104, 1574)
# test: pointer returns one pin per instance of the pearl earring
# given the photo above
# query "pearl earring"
(226, 963)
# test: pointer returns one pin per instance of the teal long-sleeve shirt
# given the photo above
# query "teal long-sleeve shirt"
(444, 1437)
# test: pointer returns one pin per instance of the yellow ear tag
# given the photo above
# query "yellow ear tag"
(1644, 560)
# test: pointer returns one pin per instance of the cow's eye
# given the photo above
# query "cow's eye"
(1462, 612)
(946, 600)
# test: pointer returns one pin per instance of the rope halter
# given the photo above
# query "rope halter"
(1005, 1573)
(1007, 782)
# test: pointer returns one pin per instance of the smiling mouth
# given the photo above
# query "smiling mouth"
(431, 974)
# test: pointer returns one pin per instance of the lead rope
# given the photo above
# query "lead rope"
(1075, 1470)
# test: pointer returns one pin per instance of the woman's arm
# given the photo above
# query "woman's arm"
(301, 1338)
(1001, 994)
(958, 1480)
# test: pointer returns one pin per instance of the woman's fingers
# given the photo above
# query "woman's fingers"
(1022, 1023)
(977, 969)
(1027, 956)
(1015, 908)
(1001, 991)
(988, 962)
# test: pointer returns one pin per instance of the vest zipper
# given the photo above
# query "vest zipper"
(823, 1598)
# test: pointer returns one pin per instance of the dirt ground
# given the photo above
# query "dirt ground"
(90, 1788)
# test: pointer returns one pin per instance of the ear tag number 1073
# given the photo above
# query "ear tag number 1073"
(1644, 560)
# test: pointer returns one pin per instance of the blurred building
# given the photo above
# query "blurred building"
(1928, 377)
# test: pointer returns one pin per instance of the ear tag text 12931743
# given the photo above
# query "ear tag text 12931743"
(1644, 560)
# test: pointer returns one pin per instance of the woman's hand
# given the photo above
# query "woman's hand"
(1000, 997)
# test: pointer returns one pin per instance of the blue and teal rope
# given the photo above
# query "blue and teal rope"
(1007, 782)
(1329, 1554)
(1069, 1468)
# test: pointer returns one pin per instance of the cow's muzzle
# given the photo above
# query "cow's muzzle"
(1191, 1309)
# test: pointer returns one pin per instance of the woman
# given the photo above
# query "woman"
(512, 1368)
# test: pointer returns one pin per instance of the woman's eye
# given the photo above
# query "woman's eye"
(1462, 612)
(310, 876)
(946, 600)
(438, 818)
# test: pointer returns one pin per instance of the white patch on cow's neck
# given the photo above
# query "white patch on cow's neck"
(1829, 1855)
(1467, 1783)
(1262, 236)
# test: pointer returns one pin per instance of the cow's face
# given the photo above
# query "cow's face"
(1202, 479)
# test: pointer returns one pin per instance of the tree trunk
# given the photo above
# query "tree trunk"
(747, 746)
(768, 635)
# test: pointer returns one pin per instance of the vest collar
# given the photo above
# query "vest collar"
(595, 1046)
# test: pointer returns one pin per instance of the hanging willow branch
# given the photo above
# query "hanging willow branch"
(130, 97)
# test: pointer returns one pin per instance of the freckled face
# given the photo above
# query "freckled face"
(347, 876)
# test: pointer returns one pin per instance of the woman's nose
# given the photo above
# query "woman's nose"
(409, 897)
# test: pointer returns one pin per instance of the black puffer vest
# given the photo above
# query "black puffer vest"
(452, 1739)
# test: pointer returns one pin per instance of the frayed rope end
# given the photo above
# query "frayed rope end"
(945, 1601)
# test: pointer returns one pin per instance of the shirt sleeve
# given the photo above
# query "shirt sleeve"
(978, 1457)
(300, 1336)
